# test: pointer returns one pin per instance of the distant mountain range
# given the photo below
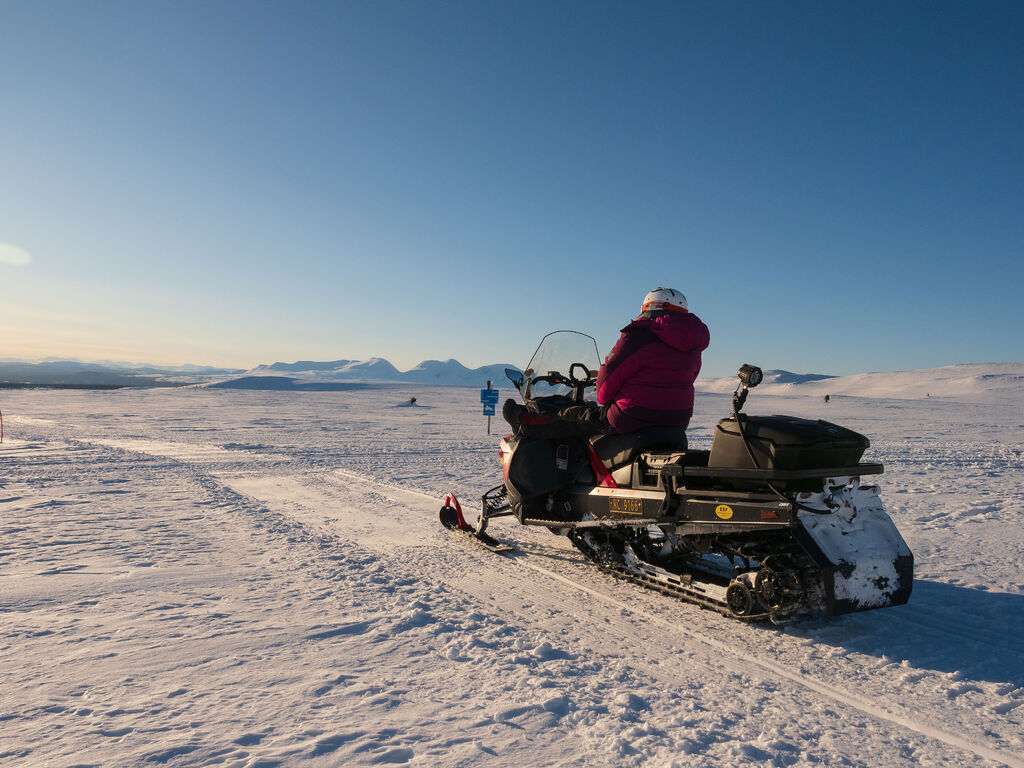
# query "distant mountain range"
(446, 373)
(301, 375)
(74, 373)
(1000, 382)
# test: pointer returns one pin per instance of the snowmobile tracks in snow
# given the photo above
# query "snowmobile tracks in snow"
(679, 591)
(891, 713)
(744, 661)
(618, 571)
(489, 543)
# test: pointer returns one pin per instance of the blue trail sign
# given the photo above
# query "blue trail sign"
(489, 398)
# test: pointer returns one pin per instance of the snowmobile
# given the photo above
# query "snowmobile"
(773, 522)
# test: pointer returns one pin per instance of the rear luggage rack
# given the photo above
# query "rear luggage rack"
(731, 473)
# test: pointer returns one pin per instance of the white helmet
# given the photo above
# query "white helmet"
(664, 299)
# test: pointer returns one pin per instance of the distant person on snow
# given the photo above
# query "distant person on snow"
(647, 378)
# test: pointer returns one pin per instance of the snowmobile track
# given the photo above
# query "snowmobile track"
(619, 571)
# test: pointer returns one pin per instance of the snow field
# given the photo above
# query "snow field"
(256, 579)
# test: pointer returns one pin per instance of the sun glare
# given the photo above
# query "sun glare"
(10, 254)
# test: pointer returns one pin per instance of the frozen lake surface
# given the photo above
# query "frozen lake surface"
(247, 578)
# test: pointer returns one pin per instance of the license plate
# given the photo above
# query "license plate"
(624, 504)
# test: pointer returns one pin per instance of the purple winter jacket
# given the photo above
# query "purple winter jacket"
(647, 378)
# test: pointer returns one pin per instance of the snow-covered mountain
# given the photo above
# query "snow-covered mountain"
(304, 366)
(981, 382)
(977, 382)
(72, 364)
(436, 372)
(773, 377)
(59, 372)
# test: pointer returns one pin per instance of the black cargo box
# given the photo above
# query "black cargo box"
(785, 442)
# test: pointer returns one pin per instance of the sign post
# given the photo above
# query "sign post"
(489, 398)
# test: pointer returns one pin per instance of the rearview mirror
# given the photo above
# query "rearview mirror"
(516, 377)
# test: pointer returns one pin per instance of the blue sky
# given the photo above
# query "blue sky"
(837, 187)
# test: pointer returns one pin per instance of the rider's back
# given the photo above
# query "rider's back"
(647, 378)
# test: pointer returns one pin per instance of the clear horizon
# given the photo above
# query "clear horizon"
(836, 188)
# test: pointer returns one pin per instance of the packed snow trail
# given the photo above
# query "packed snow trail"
(403, 518)
(269, 585)
(881, 710)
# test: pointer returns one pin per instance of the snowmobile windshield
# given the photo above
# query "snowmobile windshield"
(557, 353)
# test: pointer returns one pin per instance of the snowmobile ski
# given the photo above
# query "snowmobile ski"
(452, 518)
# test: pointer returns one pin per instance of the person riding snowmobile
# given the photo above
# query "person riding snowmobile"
(647, 378)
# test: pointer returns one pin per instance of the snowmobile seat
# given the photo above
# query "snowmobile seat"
(614, 449)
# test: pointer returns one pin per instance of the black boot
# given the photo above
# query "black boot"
(511, 411)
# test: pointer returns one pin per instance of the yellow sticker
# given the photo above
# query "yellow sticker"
(724, 511)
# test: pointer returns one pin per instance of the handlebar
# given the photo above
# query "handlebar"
(578, 384)
(588, 375)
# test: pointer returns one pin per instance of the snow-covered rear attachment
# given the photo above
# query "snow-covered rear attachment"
(863, 560)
